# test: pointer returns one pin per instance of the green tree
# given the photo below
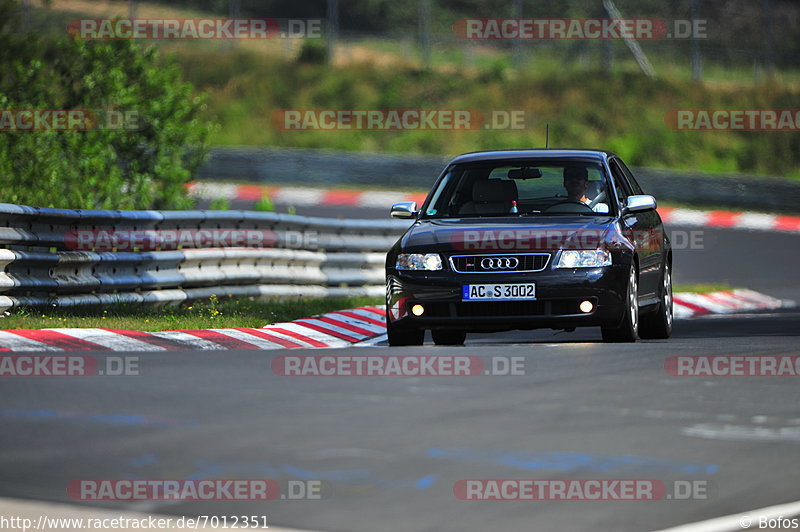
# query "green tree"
(141, 163)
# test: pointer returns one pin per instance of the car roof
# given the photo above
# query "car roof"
(476, 156)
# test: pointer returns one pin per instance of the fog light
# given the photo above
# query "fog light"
(586, 306)
(417, 310)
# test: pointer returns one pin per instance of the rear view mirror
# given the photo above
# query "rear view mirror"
(524, 173)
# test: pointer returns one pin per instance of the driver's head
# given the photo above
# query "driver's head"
(576, 181)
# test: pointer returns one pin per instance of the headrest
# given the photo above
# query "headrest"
(576, 172)
(494, 190)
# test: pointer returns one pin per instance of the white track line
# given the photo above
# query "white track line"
(735, 522)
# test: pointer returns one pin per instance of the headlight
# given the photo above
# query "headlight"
(418, 261)
(583, 259)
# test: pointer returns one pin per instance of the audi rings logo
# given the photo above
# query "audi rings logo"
(500, 263)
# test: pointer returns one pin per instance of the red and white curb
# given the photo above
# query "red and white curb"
(343, 328)
(307, 196)
(301, 196)
(690, 304)
(334, 329)
(751, 221)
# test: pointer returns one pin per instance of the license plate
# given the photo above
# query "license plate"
(498, 292)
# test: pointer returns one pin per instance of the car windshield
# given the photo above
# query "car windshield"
(532, 187)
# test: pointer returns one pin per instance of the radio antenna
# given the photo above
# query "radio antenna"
(547, 136)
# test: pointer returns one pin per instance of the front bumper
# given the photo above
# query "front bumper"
(558, 294)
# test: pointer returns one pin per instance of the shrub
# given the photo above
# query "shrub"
(313, 52)
(265, 204)
(143, 164)
(220, 204)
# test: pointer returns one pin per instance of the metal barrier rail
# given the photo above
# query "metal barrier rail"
(65, 258)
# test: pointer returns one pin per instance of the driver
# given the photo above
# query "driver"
(576, 181)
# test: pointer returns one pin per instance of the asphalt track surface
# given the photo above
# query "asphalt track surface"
(389, 449)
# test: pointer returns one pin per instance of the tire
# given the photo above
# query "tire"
(448, 337)
(400, 337)
(658, 324)
(628, 328)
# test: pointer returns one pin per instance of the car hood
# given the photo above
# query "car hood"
(506, 234)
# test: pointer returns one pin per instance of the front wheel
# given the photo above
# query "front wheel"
(628, 328)
(401, 337)
(658, 325)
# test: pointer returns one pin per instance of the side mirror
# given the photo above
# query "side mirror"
(405, 209)
(640, 203)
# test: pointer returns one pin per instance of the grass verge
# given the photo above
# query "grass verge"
(214, 314)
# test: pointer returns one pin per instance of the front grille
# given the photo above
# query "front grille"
(511, 263)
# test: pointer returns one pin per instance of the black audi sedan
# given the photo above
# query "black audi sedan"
(527, 239)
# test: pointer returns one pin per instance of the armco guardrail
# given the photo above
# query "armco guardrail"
(328, 168)
(63, 258)
(300, 166)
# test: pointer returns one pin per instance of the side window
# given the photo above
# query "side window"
(632, 180)
(619, 183)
